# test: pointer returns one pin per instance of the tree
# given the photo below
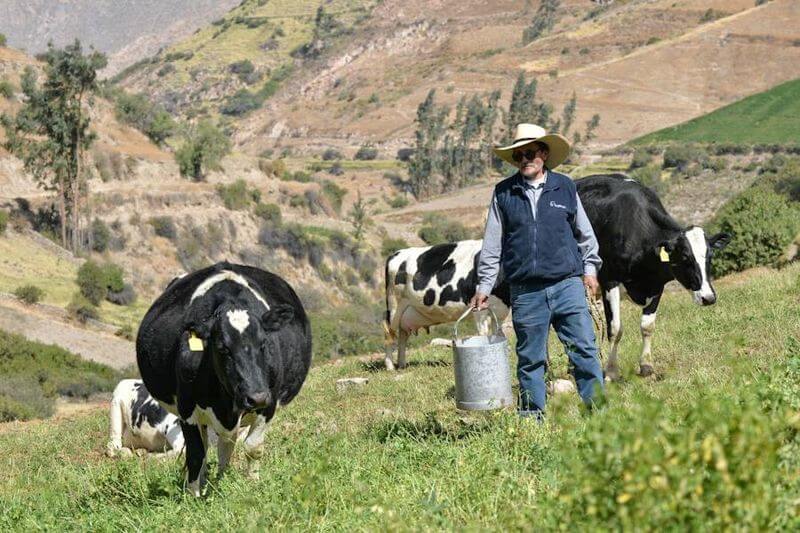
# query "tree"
(543, 21)
(359, 218)
(425, 161)
(568, 115)
(203, 148)
(50, 133)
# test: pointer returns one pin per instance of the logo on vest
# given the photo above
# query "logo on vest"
(553, 204)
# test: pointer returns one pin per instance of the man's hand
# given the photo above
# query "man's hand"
(591, 283)
(479, 301)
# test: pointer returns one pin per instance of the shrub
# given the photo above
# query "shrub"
(240, 103)
(336, 169)
(243, 67)
(126, 332)
(397, 202)
(366, 153)
(405, 154)
(81, 309)
(101, 235)
(92, 282)
(203, 148)
(641, 158)
(237, 196)
(29, 294)
(126, 296)
(650, 176)
(331, 154)
(437, 229)
(762, 223)
(3, 222)
(391, 244)
(114, 277)
(681, 156)
(334, 194)
(3, 39)
(6, 89)
(164, 226)
(729, 148)
(269, 212)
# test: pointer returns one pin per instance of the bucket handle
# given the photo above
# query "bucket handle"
(467, 312)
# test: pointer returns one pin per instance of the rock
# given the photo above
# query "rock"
(560, 386)
(345, 383)
(441, 342)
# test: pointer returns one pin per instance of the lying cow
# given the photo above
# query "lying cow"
(223, 347)
(138, 422)
(433, 285)
(643, 248)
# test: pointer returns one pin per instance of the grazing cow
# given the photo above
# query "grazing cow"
(139, 422)
(643, 248)
(223, 347)
(433, 285)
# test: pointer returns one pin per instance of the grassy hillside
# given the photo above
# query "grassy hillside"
(32, 375)
(771, 116)
(713, 445)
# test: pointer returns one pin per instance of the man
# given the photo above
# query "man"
(538, 232)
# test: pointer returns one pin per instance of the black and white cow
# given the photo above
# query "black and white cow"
(223, 347)
(643, 248)
(138, 422)
(433, 285)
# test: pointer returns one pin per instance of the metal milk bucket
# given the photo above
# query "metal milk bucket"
(483, 377)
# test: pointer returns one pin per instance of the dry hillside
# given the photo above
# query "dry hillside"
(640, 64)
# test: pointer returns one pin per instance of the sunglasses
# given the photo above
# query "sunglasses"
(529, 154)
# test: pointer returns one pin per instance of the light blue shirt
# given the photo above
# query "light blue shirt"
(492, 251)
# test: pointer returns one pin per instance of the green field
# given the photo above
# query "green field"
(772, 116)
(713, 444)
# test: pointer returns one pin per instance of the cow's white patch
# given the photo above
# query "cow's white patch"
(648, 322)
(613, 301)
(206, 417)
(239, 319)
(697, 241)
(209, 282)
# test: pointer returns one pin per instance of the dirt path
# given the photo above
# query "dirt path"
(93, 345)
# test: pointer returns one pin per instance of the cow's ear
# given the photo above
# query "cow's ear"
(667, 245)
(277, 317)
(190, 356)
(719, 241)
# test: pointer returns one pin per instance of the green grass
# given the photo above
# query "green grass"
(23, 262)
(772, 116)
(714, 444)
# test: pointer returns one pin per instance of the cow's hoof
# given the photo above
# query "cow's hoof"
(646, 370)
(612, 375)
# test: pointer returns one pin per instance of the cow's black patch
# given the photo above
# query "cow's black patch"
(446, 273)
(146, 409)
(430, 262)
(429, 298)
(449, 294)
(401, 278)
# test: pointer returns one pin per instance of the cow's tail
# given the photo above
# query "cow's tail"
(389, 334)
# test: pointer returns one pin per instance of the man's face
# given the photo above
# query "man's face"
(530, 159)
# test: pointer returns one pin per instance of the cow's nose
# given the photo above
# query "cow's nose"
(709, 300)
(256, 400)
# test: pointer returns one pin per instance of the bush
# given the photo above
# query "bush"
(729, 148)
(650, 176)
(241, 68)
(269, 212)
(397, 202)
(202, 150)
(405, 154)
(29, 294)
(164, 226)
(762, 223)
(34, 374)
(391, 244)
(126, 296)
(3, 222)
(641, 158)
(238, 196)
(366, 153)
(81, 309)
(437, 230)
(114, 277)
(334, 194)
(331, 154)
(101, 235)
(240, 103)
(6, 89)
(3, 39)
(336, 169)
(92, 282)
(680, 156)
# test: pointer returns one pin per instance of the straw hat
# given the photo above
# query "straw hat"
(529, 133)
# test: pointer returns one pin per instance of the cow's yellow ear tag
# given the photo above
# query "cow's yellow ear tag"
(195, 343)
(662, 253)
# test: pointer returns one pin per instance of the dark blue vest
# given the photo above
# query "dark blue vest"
(544, 249)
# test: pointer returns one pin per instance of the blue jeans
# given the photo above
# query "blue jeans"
(534, 307)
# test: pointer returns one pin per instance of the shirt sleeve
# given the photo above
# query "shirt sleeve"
(489, 263)
(587, 241)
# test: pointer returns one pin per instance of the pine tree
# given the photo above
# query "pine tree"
(543, 21)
